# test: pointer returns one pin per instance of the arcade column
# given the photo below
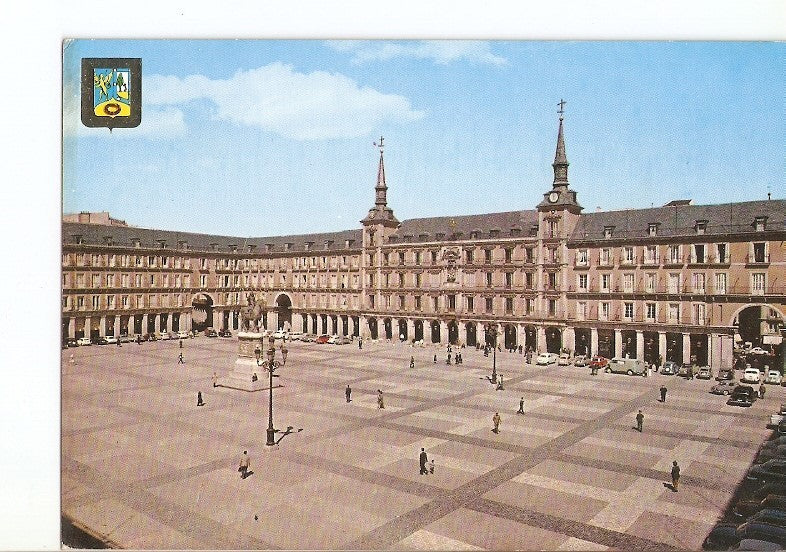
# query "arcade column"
(639, 345)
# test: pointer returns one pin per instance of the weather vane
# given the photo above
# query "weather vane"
(561, 105)
(381, 144)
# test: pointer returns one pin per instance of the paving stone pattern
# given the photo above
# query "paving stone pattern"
(143, 467)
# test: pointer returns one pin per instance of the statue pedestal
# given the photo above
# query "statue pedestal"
(245, 366)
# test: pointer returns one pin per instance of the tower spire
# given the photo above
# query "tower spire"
(560, 164)
(381, 213)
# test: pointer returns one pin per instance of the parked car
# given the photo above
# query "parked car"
(111, 340)
(767, 472)
(322, 339)
(125, 338)
(598, 362)
(580, 361)
(183, 335)
(101, 340)
(745, 508)
(71, 342)
(341, 340)
(723, 388)
(778, 417)
(279, 334)
(628, 366)
(82, 341)
(726, 536)
(771, 453)
(743, 395)
(757, 351)
(306, 338)
(774, 376)
(295, 336)
(563, 360)
(725, 374)
(762, 532)
(670, 368)
(751, 375)
(210, 332)
(722, 537)
(163, 336)
(686, 371)
(705, 372)
(544, 359)
(226, 332)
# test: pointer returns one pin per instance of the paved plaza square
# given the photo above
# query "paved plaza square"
(143, 467)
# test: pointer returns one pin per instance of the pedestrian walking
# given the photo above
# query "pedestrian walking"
(360, 343)
(521, 406)
(496, 419)
(431, 467)
(245, 462)
(663, 393)
(411, 362)
(181, 343)
(423, 460)
(380, 400)
(501, 384)
(639, 421)
(199, 399)
(675, 476)
(348, 393)
(762, 389)
(118, 342)
(215, 379)
(180, 359)
(435, 358)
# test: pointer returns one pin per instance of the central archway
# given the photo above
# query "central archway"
(284, 312)
(201, 313)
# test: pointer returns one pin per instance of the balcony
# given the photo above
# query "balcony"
(628, 261)
(757, 260)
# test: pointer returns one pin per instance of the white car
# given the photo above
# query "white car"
(183, 334)
(545, 359)
(332, 339)
(757, 351)
(563, 360)
(279, 334)
(774, 376)
(295, 336)
(751, 375)
(111, 340)
(83, 341)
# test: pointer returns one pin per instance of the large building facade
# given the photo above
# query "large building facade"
(681, 282)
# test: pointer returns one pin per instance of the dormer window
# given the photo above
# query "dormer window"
(408, 238)
(251, 247)
(760, 224)
(349, 243)
(700, 226)
(515, 231)
(182, 244)
(440, 236)
(233, 248)
(213, 246)
(288, 246)
(136, 242)
(423, 237)
(652, 229)
(494, 232)
(268, 247)
(108, 240)
(475, 234)
(307, 246)
(608, 231)
(161, 244)
(77, 238)
(328, 243)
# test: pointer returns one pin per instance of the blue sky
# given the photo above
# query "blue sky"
(256, 138)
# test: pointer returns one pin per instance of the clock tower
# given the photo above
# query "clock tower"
(380, 220)
(560, 197)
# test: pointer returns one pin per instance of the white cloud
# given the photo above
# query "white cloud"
(278, 99)
(439, 51)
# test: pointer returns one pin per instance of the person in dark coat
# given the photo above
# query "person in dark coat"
(639, 421)
(412, 362)
(199, 399)
(521, 406)
(180, 359)
(423, 460)
(675, 475)
(663, 393)
(348, 393)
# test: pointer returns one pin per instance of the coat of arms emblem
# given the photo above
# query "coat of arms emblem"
(111, 92)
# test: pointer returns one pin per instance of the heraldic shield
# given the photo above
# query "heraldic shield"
(111, 92)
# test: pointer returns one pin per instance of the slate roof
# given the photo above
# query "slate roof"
(680, 220)
(426, 229)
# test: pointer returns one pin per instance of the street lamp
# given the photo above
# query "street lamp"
(271, 364)
(492, 331)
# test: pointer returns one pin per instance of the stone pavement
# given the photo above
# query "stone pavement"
(143, 467)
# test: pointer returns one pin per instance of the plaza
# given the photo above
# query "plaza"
(143, 467)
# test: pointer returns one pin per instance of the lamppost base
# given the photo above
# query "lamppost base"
(271, 437)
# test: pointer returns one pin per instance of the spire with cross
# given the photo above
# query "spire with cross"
(561, 105)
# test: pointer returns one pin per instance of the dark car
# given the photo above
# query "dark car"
(743, 395)
(771, 516)
(322, 339)
(225, 333)
(771, 453)
(752, 491)
(102, 341)
(725, 374)
(669, 368)
(70, 342)
(210, 332)
(762, 531)
(745, 508)
(722, 537)
(705, 372)
(768, 472)
(723, 387)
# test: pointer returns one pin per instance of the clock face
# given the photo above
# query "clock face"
(553, 197)
(372, 214)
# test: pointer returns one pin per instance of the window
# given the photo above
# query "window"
(530, 255)
(627, 283)
(627, 255)
(581, 310)
(651, 254)
(603, 311)
(65, 301)
(95, 281)
(722, 249)
(371, 301)
(582, 257)
(759, 253)
(758, 281)
(203, 280)
(487, 253)
(470, 256)
(605, 256)
(96, 301)
(552, 307)
(583, 282)
(401, 300)
(674, 254)
(152, 281)
(401, 257)
(608, 231)
(489, 304)
(650, 278)
(674, 312)
(698, 253)
(451, 302)
(80, 280)
(652, 229)
(434, 256)
(651, 311)
(124, 301)
(699, 311)
(470, 304)
(720, 283)
(552, 280)
(529, 305)
(508, 255)
(435, 304)
(508, 279)
(80, 302)
(488, 279)
(605, 282)
(508, 305)
(529, 280)
(137, 280)
(698, 282)
(628, 311)
(418, 279)
(417, 302)
(417, 257)
(674, 283)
